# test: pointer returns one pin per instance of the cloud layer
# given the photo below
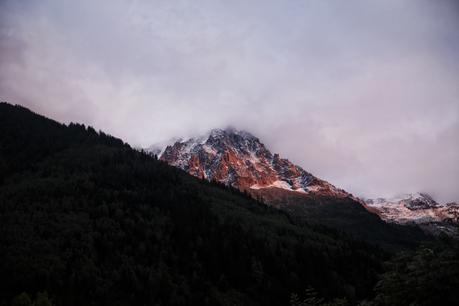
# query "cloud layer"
(364, 95)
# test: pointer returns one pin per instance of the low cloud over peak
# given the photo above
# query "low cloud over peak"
(364, 95)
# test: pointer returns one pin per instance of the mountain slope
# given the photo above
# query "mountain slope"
(93, 222)
(239, 159)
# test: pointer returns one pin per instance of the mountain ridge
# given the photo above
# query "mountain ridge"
(421, 209)
(238, 158)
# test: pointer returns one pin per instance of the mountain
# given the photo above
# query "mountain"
(87, 220)
(239, 159)
(419, 208)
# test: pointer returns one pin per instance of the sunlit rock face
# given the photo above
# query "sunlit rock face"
(239, 159)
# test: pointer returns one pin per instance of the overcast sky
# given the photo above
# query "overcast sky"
(363, 93)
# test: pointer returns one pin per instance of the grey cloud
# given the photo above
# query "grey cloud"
(362, 93)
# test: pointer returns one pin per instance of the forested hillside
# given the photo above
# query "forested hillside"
(86, 220)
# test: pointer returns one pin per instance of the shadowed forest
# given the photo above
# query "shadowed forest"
(87, 220)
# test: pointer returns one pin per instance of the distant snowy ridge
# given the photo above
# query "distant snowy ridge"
(419, 208)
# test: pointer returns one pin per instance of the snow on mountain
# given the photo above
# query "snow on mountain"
(420, 208)
(239, 159)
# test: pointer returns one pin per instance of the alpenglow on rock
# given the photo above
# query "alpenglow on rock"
(239, 159)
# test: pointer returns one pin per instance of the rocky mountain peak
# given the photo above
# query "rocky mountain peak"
(420, 201)
(240, 159)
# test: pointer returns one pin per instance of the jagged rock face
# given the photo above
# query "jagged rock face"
(423, 201)
(239, 159)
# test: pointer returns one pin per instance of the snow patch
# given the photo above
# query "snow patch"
(209, 149)
(277, 184)
(281, 184)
